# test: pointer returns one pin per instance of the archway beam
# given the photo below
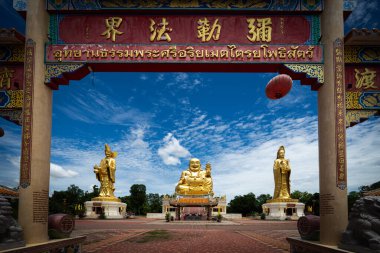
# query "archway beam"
(61, 74)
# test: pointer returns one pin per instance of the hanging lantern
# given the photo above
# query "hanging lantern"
(278, 86)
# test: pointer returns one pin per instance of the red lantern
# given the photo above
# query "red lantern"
(1, 132)
(278, 86)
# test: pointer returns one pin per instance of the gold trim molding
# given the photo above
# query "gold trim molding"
(57, 70)
(356, 116)
(16, 99)
(281, 200)
(311, 70)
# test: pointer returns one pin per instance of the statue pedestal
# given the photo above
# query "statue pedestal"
(284, 209)
(111, 209)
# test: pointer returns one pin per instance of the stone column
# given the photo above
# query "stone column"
(333, 201)
(33, 202)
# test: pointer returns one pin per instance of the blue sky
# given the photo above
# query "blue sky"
(158, 121)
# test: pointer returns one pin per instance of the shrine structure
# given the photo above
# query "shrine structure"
(289, 37)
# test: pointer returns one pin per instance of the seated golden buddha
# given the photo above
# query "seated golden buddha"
(194, 180)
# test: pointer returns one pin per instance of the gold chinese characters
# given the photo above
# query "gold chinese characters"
(5, 77)
(365, 79)
(258, 30)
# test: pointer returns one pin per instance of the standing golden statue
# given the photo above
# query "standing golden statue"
(281, 171)
(105, 173)
(194, 180)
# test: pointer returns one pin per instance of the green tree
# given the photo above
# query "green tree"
(260, 200)
(351, 198)
(57, 202)
(154, 203)
(245, 204)
(137, 198)
(65, 201)
(315, 203)
(88, 196)
(303, 197)
(375, 185)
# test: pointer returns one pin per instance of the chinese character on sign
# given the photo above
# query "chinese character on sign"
(159, 31)
(5, 78)
(111, 24)
(338, 52)
(365, 79)
(262, 31)
(205, 32)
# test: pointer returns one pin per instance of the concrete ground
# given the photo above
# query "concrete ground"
(147, 235)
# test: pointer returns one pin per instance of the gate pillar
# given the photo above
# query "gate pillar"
(36, 129)
(333, 191)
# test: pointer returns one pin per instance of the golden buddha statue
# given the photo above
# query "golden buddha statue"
(105, 173)
(281, 171)
(194, 180)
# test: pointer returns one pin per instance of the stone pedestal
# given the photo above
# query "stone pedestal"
(283, 210)
(111, 209)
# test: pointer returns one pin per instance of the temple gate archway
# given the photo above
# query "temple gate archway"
(259, 38)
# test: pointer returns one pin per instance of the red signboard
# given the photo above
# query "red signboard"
(26, 150)
(340, 114)
(11, 77)
(362, 78)
(120, 28)
(198, 53)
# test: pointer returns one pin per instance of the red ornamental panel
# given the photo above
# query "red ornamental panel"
(340, 114)
(11, 77)
(26, 148)
(362, 78)
(189, 29)
(199, 53)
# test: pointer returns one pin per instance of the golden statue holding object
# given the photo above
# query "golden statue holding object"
(105, 173)
(194, 180)
(281, 171)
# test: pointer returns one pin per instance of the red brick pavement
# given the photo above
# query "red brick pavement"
(133, 236)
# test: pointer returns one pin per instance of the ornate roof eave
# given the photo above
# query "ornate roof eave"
(362, 37)
(11, 36)
(375, 192)
(7, 192)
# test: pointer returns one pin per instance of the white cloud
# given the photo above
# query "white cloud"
(94, 106)
(363, 160)
(58, 171)
(172, 151)
(236, 168)
(160, 77)
(185, 81)
(143, 77)
(181, 77)
(248, 168)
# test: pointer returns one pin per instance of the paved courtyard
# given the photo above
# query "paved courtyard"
(146, 235)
